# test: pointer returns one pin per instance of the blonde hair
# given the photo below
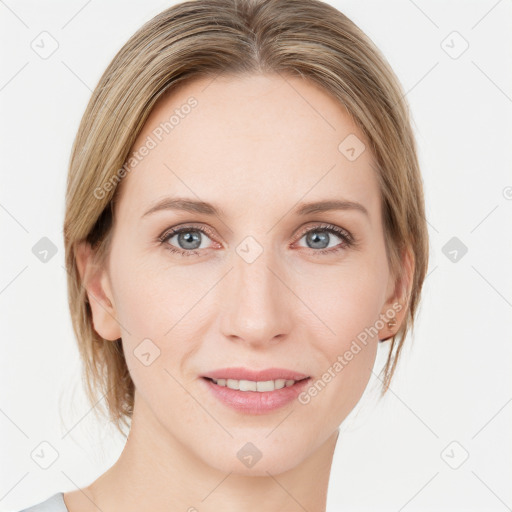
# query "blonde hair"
(202, 38)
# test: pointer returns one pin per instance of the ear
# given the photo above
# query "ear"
(397, 303)
(96, 282)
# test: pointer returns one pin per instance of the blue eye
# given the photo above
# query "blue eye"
(190, 239)
(321, 237)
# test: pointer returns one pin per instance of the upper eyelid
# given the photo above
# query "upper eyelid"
(323, 225)
(174, 230)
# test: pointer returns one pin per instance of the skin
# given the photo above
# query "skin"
(255, 146)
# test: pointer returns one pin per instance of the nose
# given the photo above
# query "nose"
(257, 304)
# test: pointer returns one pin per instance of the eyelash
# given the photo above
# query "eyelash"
(348, 239)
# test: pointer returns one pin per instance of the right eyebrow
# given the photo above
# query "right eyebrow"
(184, 204)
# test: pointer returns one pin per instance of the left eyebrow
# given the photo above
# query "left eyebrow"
(330, 205)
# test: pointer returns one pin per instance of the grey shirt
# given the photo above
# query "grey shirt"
(54, 503)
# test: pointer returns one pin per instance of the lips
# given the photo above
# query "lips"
(258, 401)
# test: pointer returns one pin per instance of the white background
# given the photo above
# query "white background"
(454, 381)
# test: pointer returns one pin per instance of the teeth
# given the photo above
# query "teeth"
(250, 385)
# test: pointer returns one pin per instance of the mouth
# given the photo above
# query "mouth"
(260, 395)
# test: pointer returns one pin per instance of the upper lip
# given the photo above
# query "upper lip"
(255, 375)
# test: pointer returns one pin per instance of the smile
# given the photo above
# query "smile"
(255, 397)
(258, 386)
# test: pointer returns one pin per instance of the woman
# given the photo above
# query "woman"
(244, 223)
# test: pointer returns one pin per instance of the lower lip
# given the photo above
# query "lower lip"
(255, 402)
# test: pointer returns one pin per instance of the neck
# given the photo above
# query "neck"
(155, 472)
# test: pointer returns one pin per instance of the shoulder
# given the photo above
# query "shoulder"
(54, 503)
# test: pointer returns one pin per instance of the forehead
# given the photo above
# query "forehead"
(249, 138)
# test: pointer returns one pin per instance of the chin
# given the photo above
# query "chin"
(254, 453)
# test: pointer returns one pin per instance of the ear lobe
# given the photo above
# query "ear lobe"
(95, 280)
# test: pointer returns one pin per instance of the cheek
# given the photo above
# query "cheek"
(346, 298)
(153, 297)
(153, 308)
(159, 307)
(347, 301)
(350, 309)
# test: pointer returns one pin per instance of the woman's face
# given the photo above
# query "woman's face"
(248, 287)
